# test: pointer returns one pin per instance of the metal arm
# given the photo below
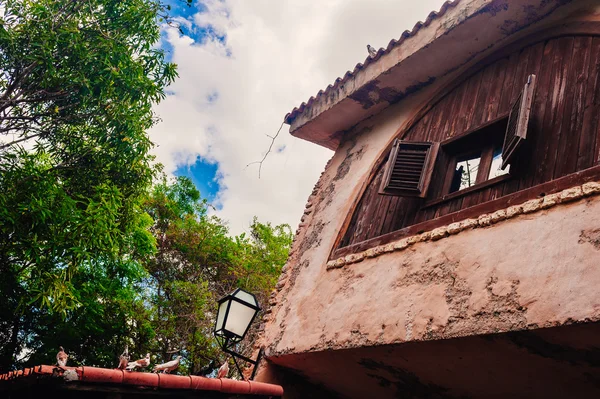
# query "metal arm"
(227, 348)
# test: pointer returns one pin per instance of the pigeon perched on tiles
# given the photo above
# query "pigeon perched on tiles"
(141, 363)
(223, 370)
(168, 366)
(61, 357)
(372, 51)
(124, 359)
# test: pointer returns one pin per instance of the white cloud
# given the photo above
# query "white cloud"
(231, 95)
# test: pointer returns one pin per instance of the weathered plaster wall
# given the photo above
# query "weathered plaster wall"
(536, 270)
(513, 275)
(326, 209)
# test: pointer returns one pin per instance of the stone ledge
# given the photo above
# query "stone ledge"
(531, 206)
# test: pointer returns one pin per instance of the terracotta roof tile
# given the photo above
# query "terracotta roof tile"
(96, 375)
(370, 59)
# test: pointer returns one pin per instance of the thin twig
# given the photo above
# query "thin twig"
(260, 163)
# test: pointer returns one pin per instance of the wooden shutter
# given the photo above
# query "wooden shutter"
(409, 168)
(518, 121)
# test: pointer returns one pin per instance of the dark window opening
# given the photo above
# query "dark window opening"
(474, 158)
(465, 172)
(476, 168)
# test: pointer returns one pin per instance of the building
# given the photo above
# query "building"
(451, 247)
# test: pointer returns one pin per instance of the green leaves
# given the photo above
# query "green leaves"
(92, 255)
(197, 263)
(78, 80)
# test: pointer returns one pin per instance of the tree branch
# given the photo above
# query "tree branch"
(3, 146)
(260, 163)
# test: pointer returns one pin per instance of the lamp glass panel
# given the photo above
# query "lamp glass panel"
(239, 318)
(221, 314)
(246, 297)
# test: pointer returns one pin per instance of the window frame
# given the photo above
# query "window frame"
(482, 179)
(452, 155)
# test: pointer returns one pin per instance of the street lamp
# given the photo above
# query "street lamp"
(234, 317)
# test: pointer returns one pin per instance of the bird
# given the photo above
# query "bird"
(141, 363)
(223, 370)
(372, 51)
(168, 366)
(123, 359)
(61, 357)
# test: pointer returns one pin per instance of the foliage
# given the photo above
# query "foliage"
(197, 262)
(92, 255)
(77, 83)
(162, 303)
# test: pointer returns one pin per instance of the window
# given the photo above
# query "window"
(471, 159)
(408, 169)
(475, 158)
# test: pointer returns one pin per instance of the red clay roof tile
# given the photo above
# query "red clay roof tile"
(205, 384)
(172, 381)
(165, 381)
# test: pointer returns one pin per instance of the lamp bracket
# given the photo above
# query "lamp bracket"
(227, 348)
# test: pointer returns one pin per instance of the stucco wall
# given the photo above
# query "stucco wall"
(535, 270)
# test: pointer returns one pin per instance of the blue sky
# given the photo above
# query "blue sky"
(202, 172)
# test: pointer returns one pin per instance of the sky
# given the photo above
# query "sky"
(243, 65)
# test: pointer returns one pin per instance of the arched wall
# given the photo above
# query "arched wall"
(563, 137)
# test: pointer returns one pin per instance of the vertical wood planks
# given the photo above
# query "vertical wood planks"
(564, 135)
(587, 154)
(566, 161)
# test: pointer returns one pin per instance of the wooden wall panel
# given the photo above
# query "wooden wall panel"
(563, 136)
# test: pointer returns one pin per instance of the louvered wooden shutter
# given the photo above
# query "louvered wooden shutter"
(518, 121)
(409, 168)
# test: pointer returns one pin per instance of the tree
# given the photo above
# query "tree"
(90, 257)
(77, 83)
(197, 262)
(162, 302)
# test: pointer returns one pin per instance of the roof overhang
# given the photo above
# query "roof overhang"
(460, 34)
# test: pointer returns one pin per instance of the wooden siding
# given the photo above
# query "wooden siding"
(563, 137)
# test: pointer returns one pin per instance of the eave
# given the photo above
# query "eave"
(461, 33)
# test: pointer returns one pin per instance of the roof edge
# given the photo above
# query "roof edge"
(291, 116)
(452, 41)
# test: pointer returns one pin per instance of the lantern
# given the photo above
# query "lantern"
(235, 314)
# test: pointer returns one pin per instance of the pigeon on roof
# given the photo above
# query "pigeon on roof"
(141, 363)
(61, 357)
(223, 370)
(372, 51)
(124, 359)
(168, 366)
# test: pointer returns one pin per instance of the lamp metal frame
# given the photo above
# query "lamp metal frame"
(227, 340)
